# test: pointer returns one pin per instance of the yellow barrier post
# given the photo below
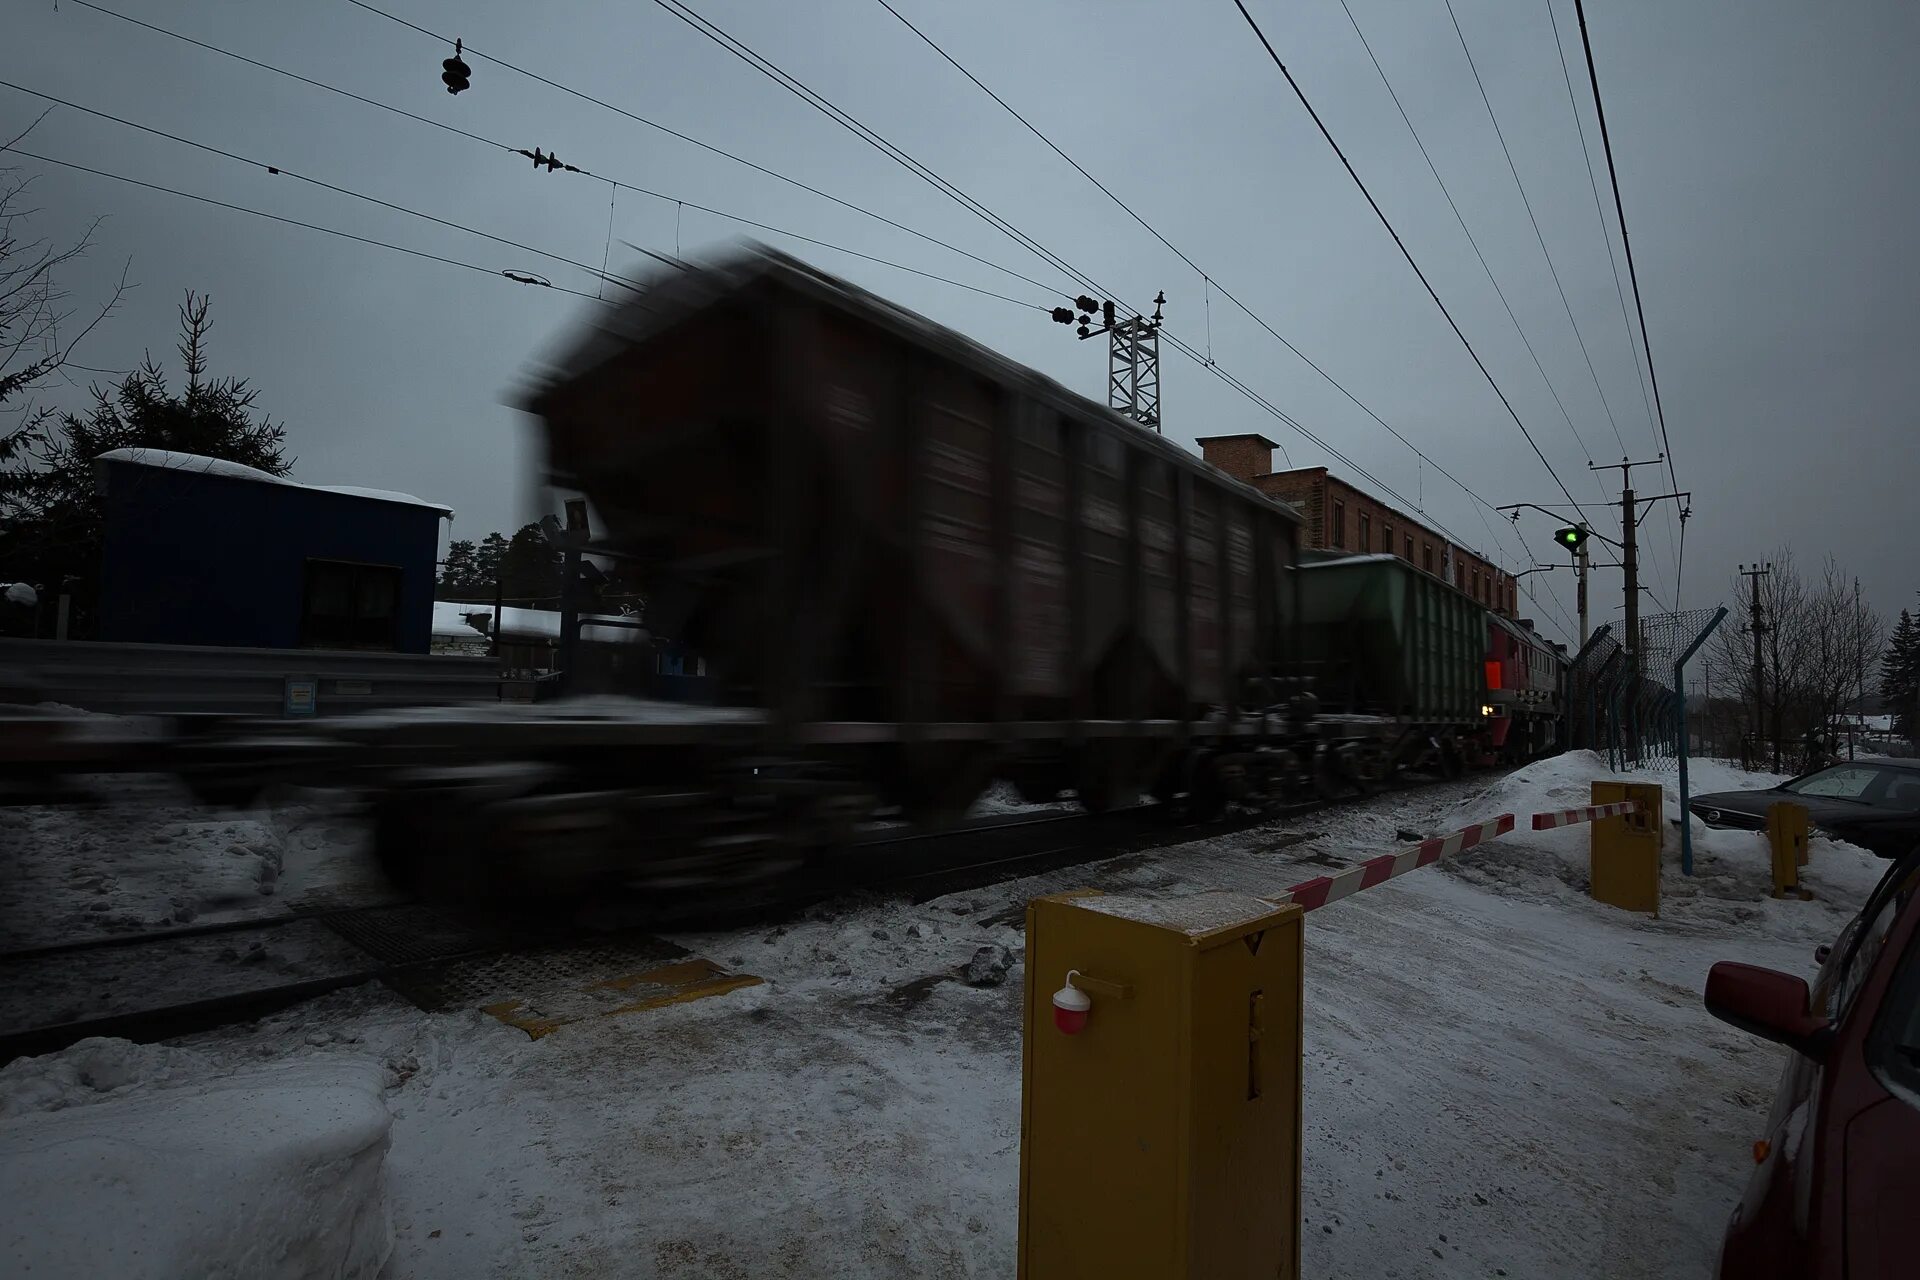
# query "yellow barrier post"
(1787, 838)
(1160, 1101)
(1623, 853)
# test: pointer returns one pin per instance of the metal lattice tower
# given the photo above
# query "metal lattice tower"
(1133, 370)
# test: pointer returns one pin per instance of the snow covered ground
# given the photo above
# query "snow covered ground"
(149, 858)
(1502, 1077)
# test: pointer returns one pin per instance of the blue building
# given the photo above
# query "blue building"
(205, 552)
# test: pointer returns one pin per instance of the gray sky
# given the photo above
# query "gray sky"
(1765, 160)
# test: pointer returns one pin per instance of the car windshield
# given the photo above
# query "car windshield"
(1869, 784)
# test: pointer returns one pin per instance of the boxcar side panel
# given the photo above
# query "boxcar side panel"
(1038, 597)
(1203, 593)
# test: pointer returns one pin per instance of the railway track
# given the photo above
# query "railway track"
(183, 981)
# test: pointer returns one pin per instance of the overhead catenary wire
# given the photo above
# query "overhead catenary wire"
(1520, 185)
(521, 278)
(700, 143)
(1619, 289)
(1626, 242)
(1538, 235)
(1656, 415)
(283, 171)
(508, 147)
(1465, 230)
(1405, 253)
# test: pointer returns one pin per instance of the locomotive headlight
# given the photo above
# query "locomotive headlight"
(1486, 710)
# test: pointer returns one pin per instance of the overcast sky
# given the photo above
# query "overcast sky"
(1765, 155)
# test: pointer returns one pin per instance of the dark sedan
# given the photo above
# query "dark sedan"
(1870, 802)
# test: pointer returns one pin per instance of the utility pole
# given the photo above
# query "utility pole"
(1580, 586)
(1758, 625)
(1630, 553)
(1133, 354)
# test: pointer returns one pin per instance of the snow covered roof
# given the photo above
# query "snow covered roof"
(455, 620)
(171, 461)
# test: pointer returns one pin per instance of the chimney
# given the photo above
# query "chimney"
(1241, 456)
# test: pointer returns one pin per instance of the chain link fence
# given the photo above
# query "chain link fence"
(1628, 710)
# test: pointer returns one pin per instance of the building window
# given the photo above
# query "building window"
(1339, 524)
(1386, 536)
(1366, 533)
(350, 606)
(1460, 577)
(1426, 556)
(1476, 584)
(1409, 548)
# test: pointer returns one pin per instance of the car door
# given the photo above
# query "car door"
(1876, 1103)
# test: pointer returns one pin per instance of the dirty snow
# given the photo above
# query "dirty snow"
(1501, 1074)
(148, 858)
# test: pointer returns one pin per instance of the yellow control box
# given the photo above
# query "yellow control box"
(1160, 1129)
(1623, 854)
(1787, 839)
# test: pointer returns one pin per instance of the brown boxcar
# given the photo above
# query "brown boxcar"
(894, 539)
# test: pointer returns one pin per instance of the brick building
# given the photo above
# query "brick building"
(1343, 518)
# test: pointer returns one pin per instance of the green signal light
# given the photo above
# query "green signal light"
(1571, 537)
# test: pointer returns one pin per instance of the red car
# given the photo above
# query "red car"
(1839, 1168)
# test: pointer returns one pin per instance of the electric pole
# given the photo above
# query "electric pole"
(1133, 354)
(1758, 625)
(1630, 553)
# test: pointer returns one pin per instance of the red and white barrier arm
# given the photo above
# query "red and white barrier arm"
(1321, 890)
(1592, 813)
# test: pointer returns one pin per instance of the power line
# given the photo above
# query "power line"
(1461, 219)
(281, 171)
(704, 146)
(508, 147)
(1538, 235)
(1626, 243)
(282, 71)
(517, 277)
(1401, 245)
(1606, 238)
(1553, 270)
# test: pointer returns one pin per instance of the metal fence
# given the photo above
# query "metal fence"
(1631, 710)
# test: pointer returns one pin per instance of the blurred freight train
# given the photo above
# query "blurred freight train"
(912, 567)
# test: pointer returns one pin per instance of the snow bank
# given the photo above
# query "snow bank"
(274, 1171)
(1731, 887)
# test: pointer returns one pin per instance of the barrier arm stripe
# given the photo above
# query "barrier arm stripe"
(1319, 891)
(1591, 813)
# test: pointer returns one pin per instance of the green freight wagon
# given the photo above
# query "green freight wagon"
(1383, 638)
